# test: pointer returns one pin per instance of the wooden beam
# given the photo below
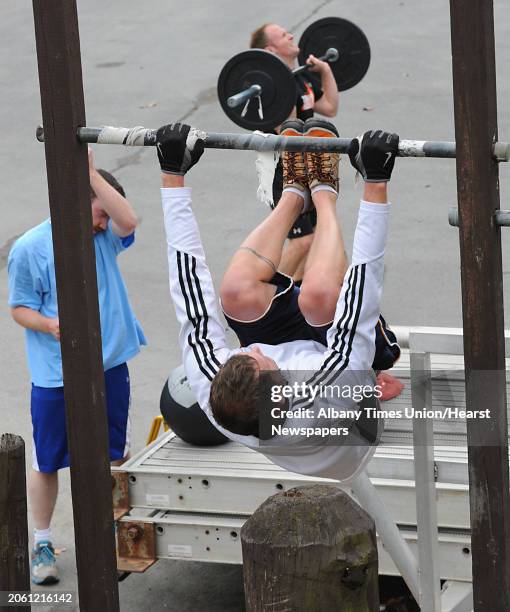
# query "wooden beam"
(14, 564)
(310, 549)
(474, 87)
(63, 110)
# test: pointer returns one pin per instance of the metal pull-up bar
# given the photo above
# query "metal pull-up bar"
(258, 141)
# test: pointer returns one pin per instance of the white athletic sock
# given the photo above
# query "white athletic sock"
(295, 190)
(323, 187)
(307, 199)
(42, 535)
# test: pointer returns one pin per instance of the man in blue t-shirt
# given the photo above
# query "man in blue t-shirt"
(33, 300)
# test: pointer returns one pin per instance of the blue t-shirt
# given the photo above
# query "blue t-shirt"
(32, 284)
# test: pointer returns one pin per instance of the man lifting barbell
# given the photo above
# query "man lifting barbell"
(315, 92)
(282, 327)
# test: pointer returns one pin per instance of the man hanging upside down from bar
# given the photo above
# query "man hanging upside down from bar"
(328, 331)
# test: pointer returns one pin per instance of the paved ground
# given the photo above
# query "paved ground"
(157, 62)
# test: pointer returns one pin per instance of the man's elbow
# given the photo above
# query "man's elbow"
(17, 314)
(127, 227)
(14, 314)
(328, 109)
(130, 227)
(331, 109)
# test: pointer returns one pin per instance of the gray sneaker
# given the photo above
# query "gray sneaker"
(43, 566)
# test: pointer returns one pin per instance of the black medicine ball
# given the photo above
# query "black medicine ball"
(183, 415)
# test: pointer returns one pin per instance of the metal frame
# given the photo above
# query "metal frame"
(229, 482)
(426, 509)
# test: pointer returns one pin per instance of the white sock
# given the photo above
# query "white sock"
(42, 535)
(295, 190)
(324, 187)
(307, 199)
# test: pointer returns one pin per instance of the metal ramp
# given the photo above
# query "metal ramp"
(198, 498)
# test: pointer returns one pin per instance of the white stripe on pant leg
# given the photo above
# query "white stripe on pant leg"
(128, 433)
(35, 463)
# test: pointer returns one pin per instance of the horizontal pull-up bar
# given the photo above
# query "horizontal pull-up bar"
(258, 141)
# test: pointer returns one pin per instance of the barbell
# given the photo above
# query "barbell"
(262, 77)
(257, 141)
(331, 55)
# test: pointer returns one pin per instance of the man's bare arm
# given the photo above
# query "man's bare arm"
(117, 207)
(32, 319)
(328, 104)
(172, 180)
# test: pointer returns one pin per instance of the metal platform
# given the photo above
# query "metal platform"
(198, 498)
(215, 538)
(233, 479)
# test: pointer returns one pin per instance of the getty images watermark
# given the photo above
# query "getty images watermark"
(302, 407)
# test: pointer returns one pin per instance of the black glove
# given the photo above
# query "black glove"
(179, 147)
(373, 155)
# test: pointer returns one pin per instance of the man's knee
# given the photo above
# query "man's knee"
(239, 297)
(318, 299)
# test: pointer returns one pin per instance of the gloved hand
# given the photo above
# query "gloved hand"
(373, 155)
(179, 147)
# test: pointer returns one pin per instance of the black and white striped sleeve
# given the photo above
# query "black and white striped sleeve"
(202, 336)
(352, 334)
(351, 338)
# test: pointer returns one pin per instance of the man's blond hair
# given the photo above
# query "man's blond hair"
(258, 38)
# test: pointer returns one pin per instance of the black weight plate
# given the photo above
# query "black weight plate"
(348, 39)
(278, 89)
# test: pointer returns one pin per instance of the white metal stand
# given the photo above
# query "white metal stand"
(457, 596)
(426, 507)
(393, 541)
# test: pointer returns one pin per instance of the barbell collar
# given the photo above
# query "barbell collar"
(501, 217)
(258, 141)
(242, 96)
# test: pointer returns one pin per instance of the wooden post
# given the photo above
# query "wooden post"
(14, 565)
(63, 110)
(476, 129)
(310, 549)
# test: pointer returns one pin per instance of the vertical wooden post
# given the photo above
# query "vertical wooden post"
(14, 566)
(474, 87)
(63, 110)
(310, 549)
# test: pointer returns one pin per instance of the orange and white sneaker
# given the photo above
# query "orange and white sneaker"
(322, 167)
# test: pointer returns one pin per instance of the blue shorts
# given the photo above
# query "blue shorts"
(284, 322)
(50, 451)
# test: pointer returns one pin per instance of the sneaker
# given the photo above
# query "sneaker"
(293, 162)
(322, 167)
(43, 566)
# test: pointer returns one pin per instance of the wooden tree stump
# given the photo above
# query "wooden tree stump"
(14, 565)
(310, 549)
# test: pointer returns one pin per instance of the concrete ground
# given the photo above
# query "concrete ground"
(155, 62)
